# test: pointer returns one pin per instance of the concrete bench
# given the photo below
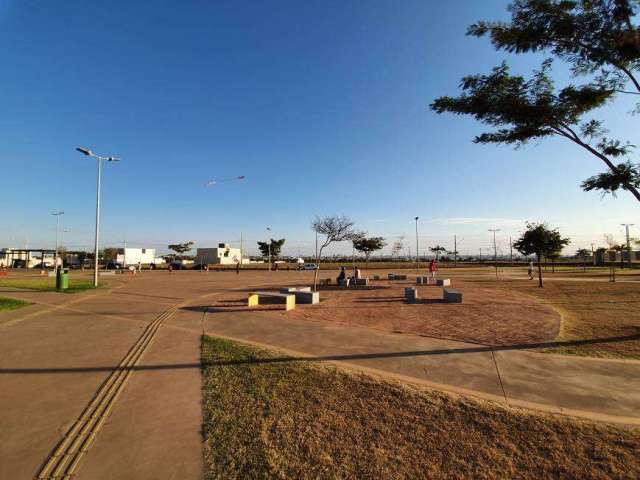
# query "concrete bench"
(308, 297)
(411, 294)
(294, 289)
(451, 296)
(393, 276)
(289, 299)
(444, 282)
(359, 282)
(325, 282)
(344, 282)
(376, 277)
(303, 294)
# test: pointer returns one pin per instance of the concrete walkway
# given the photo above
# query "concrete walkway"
(607, 390)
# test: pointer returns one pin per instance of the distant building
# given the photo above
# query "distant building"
(29, 257)
(133, 256)
(223, 254)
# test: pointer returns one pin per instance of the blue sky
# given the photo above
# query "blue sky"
(322, 105)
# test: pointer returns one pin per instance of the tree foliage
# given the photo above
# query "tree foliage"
(540, 240)
(596, 37)
(276, 247)
(181, 248)
(368, 245)
(337, 228)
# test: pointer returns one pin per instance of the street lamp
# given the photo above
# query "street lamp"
(55, 257)
(99, 159)
(495, 249)
(417, 249)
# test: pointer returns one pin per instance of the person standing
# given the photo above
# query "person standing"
(432, 269)
(530, 269)
(237, 267)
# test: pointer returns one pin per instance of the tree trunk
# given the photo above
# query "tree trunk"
(315, 273)
(539, 270)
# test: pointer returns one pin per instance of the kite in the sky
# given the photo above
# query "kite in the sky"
(211, 183)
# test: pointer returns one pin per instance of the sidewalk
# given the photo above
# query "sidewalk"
(598, 389)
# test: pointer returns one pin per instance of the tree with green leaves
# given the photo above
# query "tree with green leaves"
(334, 229)
(437, 250)
(181, 248)
(540, 240)
(276, 247)
(583, 254)
(368, 245)
(599, 39)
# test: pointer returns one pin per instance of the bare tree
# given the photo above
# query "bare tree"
(398, 245)
(334, 229)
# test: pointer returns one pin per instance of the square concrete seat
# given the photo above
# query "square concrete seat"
(359, 282)
(391, 276)
(451, 296)
(411, 294)
(289, 299)
(344, 283)
(307, 297)
(376, 277)
(399, 277)
(444, 282)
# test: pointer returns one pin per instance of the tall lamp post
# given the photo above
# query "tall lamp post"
(495, 249)
(417, 249)
(626, 226)
(99, 160)
(55, 257)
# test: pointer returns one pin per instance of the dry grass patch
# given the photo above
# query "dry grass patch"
(267, 416)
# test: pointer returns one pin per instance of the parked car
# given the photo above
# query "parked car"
(113, 266)
(308, 266)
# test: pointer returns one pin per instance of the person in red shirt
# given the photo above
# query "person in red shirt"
(433, 268)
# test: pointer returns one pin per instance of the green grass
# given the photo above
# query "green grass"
(46, 284)
(11, 304)
(269, 416)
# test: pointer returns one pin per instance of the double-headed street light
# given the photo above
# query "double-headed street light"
(99, 159)
(417, 247)
(55, 257)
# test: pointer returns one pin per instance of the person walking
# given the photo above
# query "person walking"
(530, 269)
(237, 267)
(432, 269)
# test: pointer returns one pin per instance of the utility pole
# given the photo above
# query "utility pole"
(241, 248)
(593, 255)
(626, 226)
(269, 230)
(455, 251)
(480, 254)
(495, 249)
(417, 248)
(55, 257)
(511, 251)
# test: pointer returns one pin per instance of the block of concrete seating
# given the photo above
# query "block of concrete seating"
(420, 280)
(411, 294)
(391, 276)
(451, 296)
(443, 282)
(289, 299)
(307, 296)
(399, 277)
(344, 282)
(376, 277)
(355, 282)
(294, 289)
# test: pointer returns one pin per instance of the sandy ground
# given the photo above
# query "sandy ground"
(484, 317)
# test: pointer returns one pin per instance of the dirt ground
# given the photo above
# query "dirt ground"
(485, 316)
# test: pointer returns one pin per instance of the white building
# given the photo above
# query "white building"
(223, 254)
(133, 256)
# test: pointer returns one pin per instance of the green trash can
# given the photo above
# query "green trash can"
(62, 279)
